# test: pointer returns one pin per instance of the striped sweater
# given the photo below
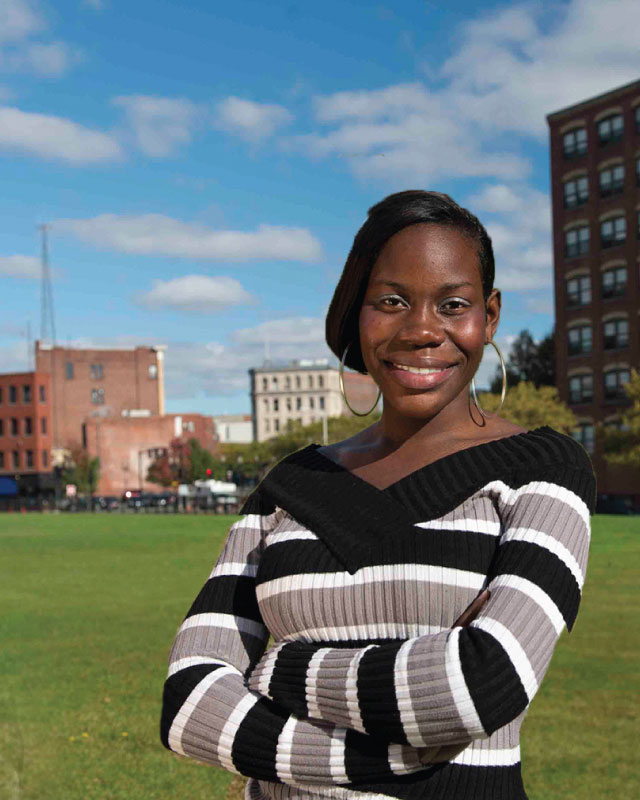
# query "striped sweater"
(367, 690)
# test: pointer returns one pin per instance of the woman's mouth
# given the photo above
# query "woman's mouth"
(414, 377)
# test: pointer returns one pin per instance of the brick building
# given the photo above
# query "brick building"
(595, 177)
(127, 446)
(87, 383)
(26, 432)
(303, 391)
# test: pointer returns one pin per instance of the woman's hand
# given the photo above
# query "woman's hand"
(472, 611)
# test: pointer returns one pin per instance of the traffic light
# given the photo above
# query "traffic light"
(209, 472)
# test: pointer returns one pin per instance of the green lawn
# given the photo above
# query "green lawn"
(90, 605)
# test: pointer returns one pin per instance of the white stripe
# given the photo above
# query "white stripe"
(536, 594)
(192, 661)
(459, 690)
(552, 490)
(373, 630)
(514, 650)
(284, 751)
(229, 621)
(549, 543)
(386, 573)
(190, 705)
(337, 756)
(289, 536)
(240, 568)
(467, 525)
(402, 759)
(402, 688)
(351, 686)
(311, 682)
(268, 666)
(473, 756)
(228, 734)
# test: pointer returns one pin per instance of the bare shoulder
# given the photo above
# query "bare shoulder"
(347, 451)
(498, 428)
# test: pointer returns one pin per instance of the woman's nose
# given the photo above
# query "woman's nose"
(421, 328)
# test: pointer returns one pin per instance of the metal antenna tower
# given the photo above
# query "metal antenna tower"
(47, 318)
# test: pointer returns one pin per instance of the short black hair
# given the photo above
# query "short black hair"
(384, 220)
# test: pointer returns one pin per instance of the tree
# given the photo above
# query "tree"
(528, 361)
(81, 471)
(622, 446)
(161, 471)
(531, 407)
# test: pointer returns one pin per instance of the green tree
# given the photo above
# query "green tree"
(622, 446)
(531, 407)
(528, 361)
(81, 471)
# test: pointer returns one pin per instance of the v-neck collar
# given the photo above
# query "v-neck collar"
(352, 516)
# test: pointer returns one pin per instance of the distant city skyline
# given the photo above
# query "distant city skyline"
(204, 169)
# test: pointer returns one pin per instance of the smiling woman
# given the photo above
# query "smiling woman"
(415, 578)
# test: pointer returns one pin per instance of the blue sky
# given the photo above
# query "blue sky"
(205, 166)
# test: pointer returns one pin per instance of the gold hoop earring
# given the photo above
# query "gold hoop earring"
(344, 394)
(504, 386)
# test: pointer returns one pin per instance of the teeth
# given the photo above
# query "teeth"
(418, 370)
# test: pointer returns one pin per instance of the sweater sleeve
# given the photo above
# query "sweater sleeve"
(464, 683)
(209, 713)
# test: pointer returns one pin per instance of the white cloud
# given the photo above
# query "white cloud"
(18, 20)
(158, 125)
(199, 293)
(55, 138)
(19, 267)
(95, 5)
(249, 120)
(296, 330)
(157, 234)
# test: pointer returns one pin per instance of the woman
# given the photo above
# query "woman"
(415, 577)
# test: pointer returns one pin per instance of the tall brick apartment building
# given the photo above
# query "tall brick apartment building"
(595, 175)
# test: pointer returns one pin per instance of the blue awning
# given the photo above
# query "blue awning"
(8, 487)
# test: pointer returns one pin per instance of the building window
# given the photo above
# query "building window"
(153, 372)
(298, 382)
(579, 291)
(298, 403)
(14, 426)
(581, 389)
(1, 460)
(610, 129)
(611, 180)
(312, 403)
(614, 282)
(68, 370)
(638, 223)
(274, 383)
(287, 382)
(574, 143)
(576, 242)
(29, 459)
(28, 426)
(97, 372)
(267, 426)
(613, 231)
(310, 381)
(276, 425)
(320, 381)
(616, 334)
(13, 395)
(288, 404)
(584, 434)
(266, 405)
(1, 427)
(26, 394)
(265, 384)
(614, 381)
(580, 340)
(576, 192)
(43, 394)
(15, 459)
(321, 401)
(45, 459)
(276, 404)
(0, 395)
(636, 114)
(97, 397)
(638, 172)
(43, 425)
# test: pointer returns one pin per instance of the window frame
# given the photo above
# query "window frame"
(581, 197)
(585, 342)
(616, 133)
(617, 341)
(581, 245)
(579, 293)
(606, 242)
(579, 146)
(616, 186)
(586, 378)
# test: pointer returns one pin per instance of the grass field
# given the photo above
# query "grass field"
(90, 605)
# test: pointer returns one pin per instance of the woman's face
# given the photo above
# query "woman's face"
(423, 322)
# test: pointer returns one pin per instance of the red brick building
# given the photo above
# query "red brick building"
(595, 176)
(26, 432)
(89, 383)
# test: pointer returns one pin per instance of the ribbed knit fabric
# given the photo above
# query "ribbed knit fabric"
(368, 691)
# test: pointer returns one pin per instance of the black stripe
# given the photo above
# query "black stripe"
(494, 685)
(176, 690)
(228, 594)
(287, 685)
(256, 741)
(364, 756)
(545, 569)
(376, 693)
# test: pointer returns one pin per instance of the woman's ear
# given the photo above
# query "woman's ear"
(492, 313)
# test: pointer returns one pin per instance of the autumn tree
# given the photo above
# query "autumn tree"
(622, 445)
(81, 471)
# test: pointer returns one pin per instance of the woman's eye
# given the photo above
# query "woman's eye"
(455, 305)
(391, 301)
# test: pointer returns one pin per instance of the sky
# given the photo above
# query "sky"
(203, 167)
